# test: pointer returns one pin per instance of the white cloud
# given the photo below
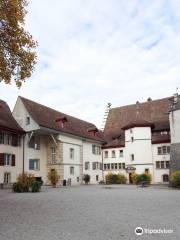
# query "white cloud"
(94, 52)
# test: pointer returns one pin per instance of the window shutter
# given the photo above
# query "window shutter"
(14, 140)
(1, 159)
(13, 160)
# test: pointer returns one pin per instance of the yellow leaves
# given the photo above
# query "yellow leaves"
(17, 55)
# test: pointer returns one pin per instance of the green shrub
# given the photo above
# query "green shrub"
(53, 177)
(115, 178)
(109, 178)
(86, 178)
(144, 177)
(134, 178)
(36, 186)
(25, 180)
(175, 179)
(121, 178)
(17, 187)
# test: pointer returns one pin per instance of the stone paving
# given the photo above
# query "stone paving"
(89, 213)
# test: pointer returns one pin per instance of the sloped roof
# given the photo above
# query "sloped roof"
(48, 117)
(152, 112)
(7, 122)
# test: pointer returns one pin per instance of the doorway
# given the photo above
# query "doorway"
(7, 178)
(130, 178)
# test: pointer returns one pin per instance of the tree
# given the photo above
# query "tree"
(17, 47)
(53, 177)
(86, 178)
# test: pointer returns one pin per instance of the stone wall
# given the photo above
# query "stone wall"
(175, 157)
(59, 158)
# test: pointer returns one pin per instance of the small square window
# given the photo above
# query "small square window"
(27, 120)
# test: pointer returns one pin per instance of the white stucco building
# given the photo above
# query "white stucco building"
(58, 141)
(138, 140)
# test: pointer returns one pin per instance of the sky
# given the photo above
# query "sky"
(91, 52)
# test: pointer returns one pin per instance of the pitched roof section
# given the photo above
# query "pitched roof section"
(7, 122)
(153, 113)
(52, 119)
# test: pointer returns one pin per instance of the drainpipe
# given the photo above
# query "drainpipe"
(102, 164)
(23, 151)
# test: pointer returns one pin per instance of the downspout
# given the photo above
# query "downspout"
(102, 164)
(23, 151)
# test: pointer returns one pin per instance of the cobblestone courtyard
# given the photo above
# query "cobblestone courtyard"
(89, 213)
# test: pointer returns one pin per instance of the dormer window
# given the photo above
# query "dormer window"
(27, 120)
(93, 131)
(62, 121)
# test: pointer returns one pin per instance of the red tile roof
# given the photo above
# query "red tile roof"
(7, 122)
(50, 118)
(155, 113)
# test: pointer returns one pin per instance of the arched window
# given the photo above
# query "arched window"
(165, 178)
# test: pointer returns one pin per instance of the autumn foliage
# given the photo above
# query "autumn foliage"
(17, 47)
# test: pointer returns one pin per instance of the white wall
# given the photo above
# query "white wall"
(20, 114)
(88, 156)
(76, 144)
(41, 154)
(158, 173)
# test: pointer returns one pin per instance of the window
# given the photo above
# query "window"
(132, 139)
(159, 151)
(34, 164)
(112, 166)
(96, 150)
(158, 164)
(113, 154)
(168, 149)
(108, 166)
(123, 165)
(87, 165)
(115, 165)
(121, 153)
(53, 154)
(165, 178)
(7, 159)
(162, 164)
(119, 165)
(95, 165)
(163, 150)
(167, 164)
(1, 138)
(132, 157)
(7, 178)
(77, 179)
(71, 170)
(131, 131)
(34, 142)
(97, 178)
(106, 154)
(71, 153)
(147, 170)
(27, 120)
(105, 166)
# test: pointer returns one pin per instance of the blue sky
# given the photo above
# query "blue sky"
(92, 52)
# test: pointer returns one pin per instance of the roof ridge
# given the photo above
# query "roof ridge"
(56, 110)
(145, 102)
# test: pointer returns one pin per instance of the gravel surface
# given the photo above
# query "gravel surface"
(89, 213)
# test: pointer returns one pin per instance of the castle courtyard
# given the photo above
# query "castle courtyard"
(94, 212)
